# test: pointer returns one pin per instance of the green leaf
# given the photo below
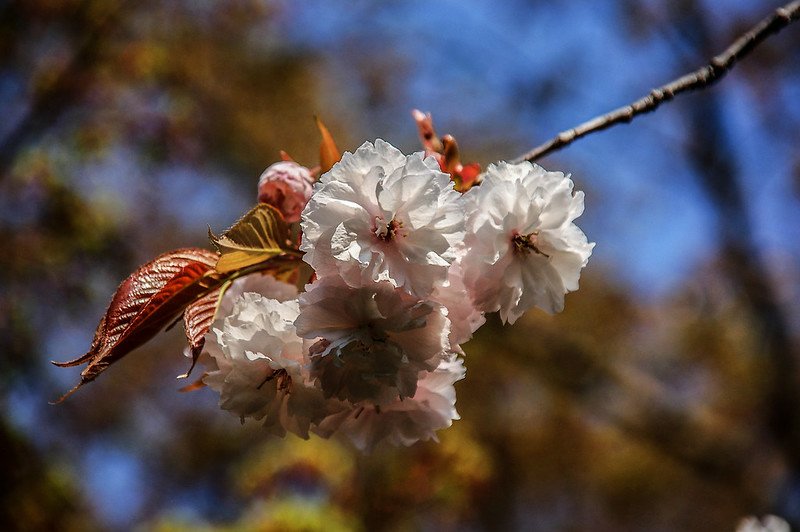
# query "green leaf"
(258, 236)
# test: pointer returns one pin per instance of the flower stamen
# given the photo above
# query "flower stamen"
(282, 377)
(387, 232)
(524, 244)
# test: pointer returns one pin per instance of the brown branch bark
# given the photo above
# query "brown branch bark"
(701, 78)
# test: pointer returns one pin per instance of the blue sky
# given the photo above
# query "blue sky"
(472, 64)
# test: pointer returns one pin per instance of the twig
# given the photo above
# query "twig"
(699, 79)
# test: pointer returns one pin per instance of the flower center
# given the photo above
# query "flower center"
(284, 381)
(387, 232)
(524, 244)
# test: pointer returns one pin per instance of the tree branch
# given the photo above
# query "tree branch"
(701, 78)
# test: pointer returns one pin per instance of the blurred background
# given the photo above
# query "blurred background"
(665, 397)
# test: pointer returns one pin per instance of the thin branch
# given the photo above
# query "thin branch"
(701, 78)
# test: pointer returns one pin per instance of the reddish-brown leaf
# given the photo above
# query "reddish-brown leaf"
(464, 176)
(329, 154)
(197, 319)
(427, 134)
(146, 302)
(452, 155)
(446, 153)
(468, 176)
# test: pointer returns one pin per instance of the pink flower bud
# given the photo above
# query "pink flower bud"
(287, 187)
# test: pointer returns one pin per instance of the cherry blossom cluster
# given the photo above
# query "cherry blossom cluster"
(405, 268)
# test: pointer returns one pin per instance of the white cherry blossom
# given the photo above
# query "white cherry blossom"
(403, 421)
(259, 283)
(405, 270)
(379, 215)
(263, 284)
(523, 248)
(464, 318)
(374, 341)
(770, 523)
(261, 366)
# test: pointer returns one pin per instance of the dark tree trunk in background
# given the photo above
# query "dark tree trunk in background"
(715, 161)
